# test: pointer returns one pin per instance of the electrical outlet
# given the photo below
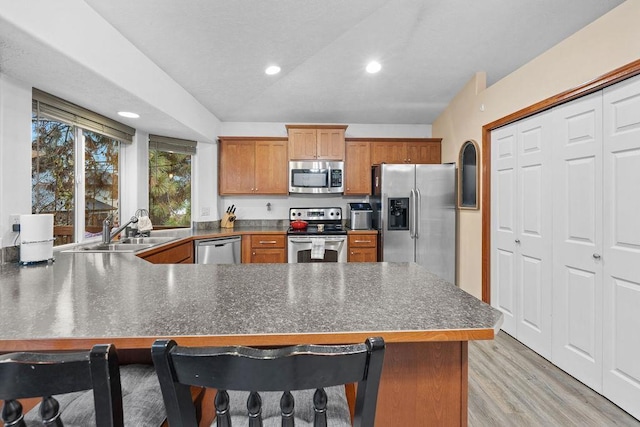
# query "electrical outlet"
(14, 219)
(205, 212)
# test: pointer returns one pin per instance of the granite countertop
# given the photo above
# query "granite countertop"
(90, 297)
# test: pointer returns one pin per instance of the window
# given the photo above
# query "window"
(75, 167)
(101, 183)
(53, 174)
(170, 181)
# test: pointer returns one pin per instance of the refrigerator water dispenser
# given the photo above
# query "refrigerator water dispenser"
(398, 213)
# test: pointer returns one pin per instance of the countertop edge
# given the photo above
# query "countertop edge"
(84, 343)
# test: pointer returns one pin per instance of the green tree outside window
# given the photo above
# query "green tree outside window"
(169, 188)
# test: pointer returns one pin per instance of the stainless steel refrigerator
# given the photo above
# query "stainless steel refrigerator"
(415, 215)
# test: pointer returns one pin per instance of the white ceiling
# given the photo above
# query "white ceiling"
(218, 50)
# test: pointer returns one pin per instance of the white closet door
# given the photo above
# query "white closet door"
(577, 246)
(534, 234)
(521, 271)
(503, 224)
(621, 257)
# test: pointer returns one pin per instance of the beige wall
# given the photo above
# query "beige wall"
(608, 43)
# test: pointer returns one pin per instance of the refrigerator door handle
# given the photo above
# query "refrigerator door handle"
(412, 207)
(416, 216)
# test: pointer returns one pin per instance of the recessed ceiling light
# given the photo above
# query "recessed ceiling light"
(128, 114)
(272, 69)
(373, 67)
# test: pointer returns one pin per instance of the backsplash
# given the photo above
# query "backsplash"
(265, 223)
(277, 208)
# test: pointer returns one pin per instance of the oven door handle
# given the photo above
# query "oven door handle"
(326, 240)
(299, 241)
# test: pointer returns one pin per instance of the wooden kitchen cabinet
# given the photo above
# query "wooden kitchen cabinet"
(388, 152)
(423, 152)
(264, 248)
(363, 247)
(173, 253)
(252, 165)
(357, 167)
(316, 142)
(413, 150)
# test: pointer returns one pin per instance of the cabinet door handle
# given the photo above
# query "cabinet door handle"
(362, 241)
(268, 242)
(596, 256)
(517, 241)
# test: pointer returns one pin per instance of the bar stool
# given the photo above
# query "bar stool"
(279, 386)
(89, 388)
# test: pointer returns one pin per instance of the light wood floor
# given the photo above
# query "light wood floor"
(510, 385)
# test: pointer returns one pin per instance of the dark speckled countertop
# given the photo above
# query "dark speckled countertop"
(84, 298)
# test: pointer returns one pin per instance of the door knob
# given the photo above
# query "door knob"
(596, 256)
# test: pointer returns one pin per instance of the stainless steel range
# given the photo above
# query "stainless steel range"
(322, 240)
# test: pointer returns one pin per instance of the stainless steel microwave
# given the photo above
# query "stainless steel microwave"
(316, 177)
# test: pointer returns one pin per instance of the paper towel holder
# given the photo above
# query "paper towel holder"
(36, 244)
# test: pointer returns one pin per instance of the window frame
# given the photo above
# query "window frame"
(175, 146)
(50, 107)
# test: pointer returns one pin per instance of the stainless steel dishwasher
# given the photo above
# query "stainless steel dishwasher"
(222, 250)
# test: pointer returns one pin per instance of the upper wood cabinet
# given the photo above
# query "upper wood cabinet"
(316, 142)
(357, 167)
(252, 165)
(424, 152)
(388, 152)
(412, 150)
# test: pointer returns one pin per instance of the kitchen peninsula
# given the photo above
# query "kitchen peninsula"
(87, 298)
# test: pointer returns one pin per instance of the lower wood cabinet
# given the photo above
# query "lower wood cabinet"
(264, 248)
(177, 253)
(362, 247)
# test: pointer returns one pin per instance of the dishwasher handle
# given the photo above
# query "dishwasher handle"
(220, 241)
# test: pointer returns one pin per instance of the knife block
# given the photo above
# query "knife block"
(227, 220)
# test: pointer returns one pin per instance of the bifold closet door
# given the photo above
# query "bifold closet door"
(621, 257)
(521, 230)
(503, 224)
(577, 245)
(534, 233)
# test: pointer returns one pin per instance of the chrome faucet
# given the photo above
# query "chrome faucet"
(107, 235)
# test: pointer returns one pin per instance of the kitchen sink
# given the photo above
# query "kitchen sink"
(112, 247)
(155, 240)
(127, 244)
